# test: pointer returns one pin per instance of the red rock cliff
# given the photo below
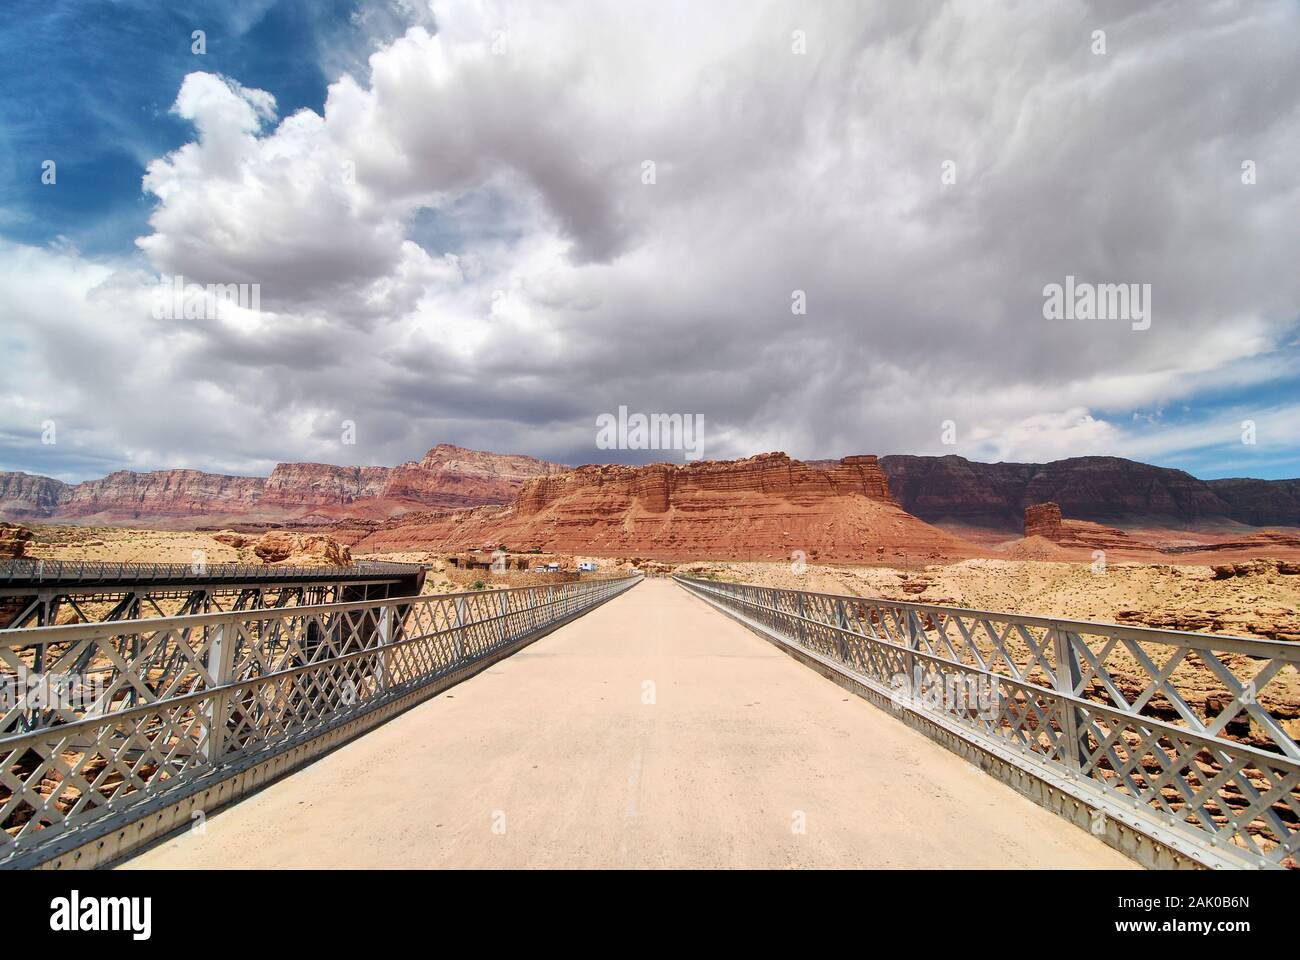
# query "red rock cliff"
(28, 496)
(320, 484)
(451, 476)
(953, 489)
(763, 507)
(161, 493)
(657, 487)
(447, 476)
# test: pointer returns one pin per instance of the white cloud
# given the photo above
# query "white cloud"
(461, 246)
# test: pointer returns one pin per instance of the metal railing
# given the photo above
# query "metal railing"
(1188, 738)
(28, 571)
(36, 593)
(167, 705)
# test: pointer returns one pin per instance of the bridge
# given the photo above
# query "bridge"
(35, 592)
(647, 723)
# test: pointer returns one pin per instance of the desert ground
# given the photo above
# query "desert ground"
(1261, 602)
(136, 545)
(1256, 600)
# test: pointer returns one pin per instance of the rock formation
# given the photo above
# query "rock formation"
(450, 476)
(958, 491)
(297, 487)
(13, 540)
(24, 496)
(302, 550)
(656, 487)
(763, 507)
(952, 491)
(162, 493)
(1043, 520)
(1255, 568)
(1260, 503)
(447, 476)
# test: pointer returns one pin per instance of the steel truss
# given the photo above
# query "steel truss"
(1168, 732)
(35, 593)
(186, 702)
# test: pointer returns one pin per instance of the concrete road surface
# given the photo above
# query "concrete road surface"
(653, 732)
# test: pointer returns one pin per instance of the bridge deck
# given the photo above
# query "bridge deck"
(556, 745)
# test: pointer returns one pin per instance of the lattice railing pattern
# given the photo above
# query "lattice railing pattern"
(28, 570)
(1196, 732)
(181, 699)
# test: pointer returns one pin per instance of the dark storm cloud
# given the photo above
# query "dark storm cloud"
(462, 248)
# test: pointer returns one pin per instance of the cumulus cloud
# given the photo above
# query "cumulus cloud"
(462, 245)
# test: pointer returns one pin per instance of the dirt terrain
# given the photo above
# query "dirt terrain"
(129, 545)
(1258, 604)
(1251, 597)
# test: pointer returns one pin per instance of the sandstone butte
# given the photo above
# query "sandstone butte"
(1044, 520)
(1049, 536)
(763, 507)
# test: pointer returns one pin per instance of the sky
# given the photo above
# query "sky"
(826, 228)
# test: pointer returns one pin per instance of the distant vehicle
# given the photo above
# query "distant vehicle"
(552, 568)
(636, 571)
(587, 566)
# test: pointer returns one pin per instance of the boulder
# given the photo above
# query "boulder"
(13, 540)
(1248, 568)
(302, 550)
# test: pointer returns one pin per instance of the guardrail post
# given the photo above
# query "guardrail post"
(909, 661)
(803, 627)
(842, 619)
(458, 636)
(1075, 751)
(382, 671)
(221, 666)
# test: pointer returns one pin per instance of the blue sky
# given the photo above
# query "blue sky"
(92, 83)
(454, 240)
